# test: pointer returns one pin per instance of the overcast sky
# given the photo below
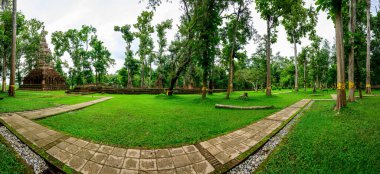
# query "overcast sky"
(61, 15)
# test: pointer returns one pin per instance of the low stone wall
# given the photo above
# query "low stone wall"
(111, 90)
(47, 87)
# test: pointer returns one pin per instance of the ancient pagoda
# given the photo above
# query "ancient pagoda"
(44, 77)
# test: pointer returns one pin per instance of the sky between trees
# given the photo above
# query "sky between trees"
(60, 15)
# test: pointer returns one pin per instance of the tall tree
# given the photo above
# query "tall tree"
(351, 72)
(101, 58)
(184, 49)
(237, 33)
(299, 22)
(375, 46)
(11, 91)
(270, 10)
(303, 59)
(162, 44)
(130, 63)
(77, 44)
(6, 36)
(209, 18)
(196, 24)
(368, 59)
(145, 29)
(319, 61)
(334, 7)
(5, 14)
(30, 42)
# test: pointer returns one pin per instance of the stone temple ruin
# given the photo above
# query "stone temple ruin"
(44, 77)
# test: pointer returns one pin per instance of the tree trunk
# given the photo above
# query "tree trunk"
(341, 86)
(295, 67)
(351, 71)
(211, 82)
(180, 69)
(11, 91)
(150, 75)
(317, 83)
(184, 82)
(268, 91)
(358, 75)
(18, 74)
(183, 66)
(368, 60)
(304, 74)
(231, 58)
(191, 79)
(142, 74)
(256, 86)
(96, 78)
(204, 78)
(4, 84)
(129, 83)
(230, 76)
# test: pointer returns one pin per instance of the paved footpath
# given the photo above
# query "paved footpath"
(214, 155)
(41, 113)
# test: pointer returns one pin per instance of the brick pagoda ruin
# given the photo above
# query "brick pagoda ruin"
(44, 77)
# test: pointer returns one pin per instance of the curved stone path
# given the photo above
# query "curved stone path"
(41, 113)
(76, 155)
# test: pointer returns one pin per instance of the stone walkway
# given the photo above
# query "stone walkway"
(214, 155)
(41, 113)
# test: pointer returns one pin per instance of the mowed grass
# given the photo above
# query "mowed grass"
(324, 142)
(375, 92)
(31, 100)
(153, 121)
(9, 162)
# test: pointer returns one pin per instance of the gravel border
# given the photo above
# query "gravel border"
(31, 158)
(255, 160)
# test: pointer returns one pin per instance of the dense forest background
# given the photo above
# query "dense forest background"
(209, 49)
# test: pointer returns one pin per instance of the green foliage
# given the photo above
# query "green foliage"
(29, 43)
(208, 19)
(123, 76)
(86, 51)
(271, 11)
(259, 62)
(299, 21)
(375, 59)
(162, 59)
(145, 29)
(250, 76)
(237, 32)
(283, 71)
(331, 6)
(131, 65)
(100, 57)
(6, 35)
(320, 64)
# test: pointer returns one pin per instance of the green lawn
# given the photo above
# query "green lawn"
(376, 92)
(161, 121)
(323, 142)
(30, 100)
(9, 163)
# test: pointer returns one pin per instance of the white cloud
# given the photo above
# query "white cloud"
(61, 15)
